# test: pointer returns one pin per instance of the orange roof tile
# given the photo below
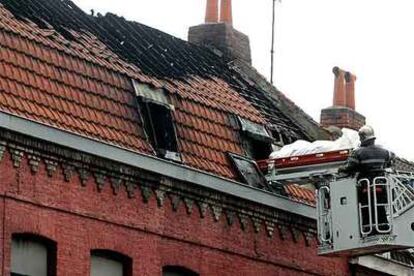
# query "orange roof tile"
(300, 194)
(75, 74)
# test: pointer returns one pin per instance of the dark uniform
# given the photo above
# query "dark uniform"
(369, 161)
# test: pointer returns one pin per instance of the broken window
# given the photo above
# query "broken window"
(256, 140)
(32, 255)
(158, 121)
(109, 263)
(248, 171)
(277, 136)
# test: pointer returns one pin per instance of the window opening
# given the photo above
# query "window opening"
(32, 256)
(158, 121)
(277, 139)
(255, 139)
(110, 263)
(158, 124)
(177, 271)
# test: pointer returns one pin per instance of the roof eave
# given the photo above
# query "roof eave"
(152, 164)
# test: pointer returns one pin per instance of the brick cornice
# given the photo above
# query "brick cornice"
(137, 182)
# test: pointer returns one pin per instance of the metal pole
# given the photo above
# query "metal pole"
(272, 51)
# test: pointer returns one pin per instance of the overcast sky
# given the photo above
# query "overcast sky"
(371, 38)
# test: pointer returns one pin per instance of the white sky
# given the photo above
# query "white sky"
(371, 38)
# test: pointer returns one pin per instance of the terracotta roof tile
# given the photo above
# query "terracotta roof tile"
(36, 90)
(300, 194)
(67, 77)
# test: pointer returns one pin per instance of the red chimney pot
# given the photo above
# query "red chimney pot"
(226, 12)
(212, 11)
(339, 88)
(350, 90)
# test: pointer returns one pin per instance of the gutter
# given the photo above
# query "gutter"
(152, 164)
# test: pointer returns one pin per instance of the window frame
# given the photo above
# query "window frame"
(253, 134)
(147, 96)
(234, 157)
(170, 152)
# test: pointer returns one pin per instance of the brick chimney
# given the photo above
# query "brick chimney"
(219, 34)
(342, 113)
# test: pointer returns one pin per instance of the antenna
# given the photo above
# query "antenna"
(272, 51)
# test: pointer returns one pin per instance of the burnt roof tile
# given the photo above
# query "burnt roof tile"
(79, 75)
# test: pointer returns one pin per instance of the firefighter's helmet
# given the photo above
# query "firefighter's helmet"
(366, 133)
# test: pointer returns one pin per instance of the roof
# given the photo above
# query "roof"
(300, 194)
(404, 165)
(73, 71)
(285, 105)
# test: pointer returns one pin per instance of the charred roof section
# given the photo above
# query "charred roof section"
(155, 53)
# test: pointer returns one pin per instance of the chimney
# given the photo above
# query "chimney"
(221, 37)
(212, 11)
(342, 113)
(350, 90)
(226, 12)
(339, 87)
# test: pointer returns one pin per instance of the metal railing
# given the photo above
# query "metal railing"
(402, 192)
(375, 212)
(383, 199)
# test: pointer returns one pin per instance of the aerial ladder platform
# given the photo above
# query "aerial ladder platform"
(354, 217)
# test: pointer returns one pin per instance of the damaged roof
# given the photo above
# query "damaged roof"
(64, 68)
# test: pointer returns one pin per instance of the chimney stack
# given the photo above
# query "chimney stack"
(212, 11)
(219, 34)
(226, 15)
(342, 113)
(350, 90)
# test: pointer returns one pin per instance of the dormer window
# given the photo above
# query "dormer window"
(256, 140)
(156, 112)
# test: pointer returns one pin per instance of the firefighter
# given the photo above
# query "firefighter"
(367, 162)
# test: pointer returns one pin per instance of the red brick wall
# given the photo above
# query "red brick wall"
(80, 218)
(342, 117)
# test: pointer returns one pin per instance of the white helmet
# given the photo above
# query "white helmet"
(366, 133)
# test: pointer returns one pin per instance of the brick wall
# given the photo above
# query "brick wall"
(79, 218)
(223, 37)
(342, 117)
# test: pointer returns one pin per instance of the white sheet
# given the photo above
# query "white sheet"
(348, 140)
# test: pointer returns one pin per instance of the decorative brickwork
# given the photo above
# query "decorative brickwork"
(105, 212)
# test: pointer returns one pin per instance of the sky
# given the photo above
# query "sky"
(370, 38)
